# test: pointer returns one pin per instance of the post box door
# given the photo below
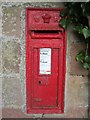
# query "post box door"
(45, 73)
(45, 78)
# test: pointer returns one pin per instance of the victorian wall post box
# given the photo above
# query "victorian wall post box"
(45, 61)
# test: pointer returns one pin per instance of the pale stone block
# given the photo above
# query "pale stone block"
(11, 92)
(11, 57)
(77, 97)
(11, 21)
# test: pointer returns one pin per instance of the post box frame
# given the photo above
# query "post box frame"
(60, 108)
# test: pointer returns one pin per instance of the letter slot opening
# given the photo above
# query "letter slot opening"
(46, 34)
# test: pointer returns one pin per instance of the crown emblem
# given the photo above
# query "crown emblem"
(46, 18)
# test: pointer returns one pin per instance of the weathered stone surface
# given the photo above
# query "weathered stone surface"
(75, 67)
(77, 97)
(0, 114)
(89, 93)
(17, 113)
(12, 113)
(11, 57)
(0, 21)
(77, 113)
(71, 35)
(0, 56)
(11, 21)
(54, 116)
(11, 92)
(0, 93)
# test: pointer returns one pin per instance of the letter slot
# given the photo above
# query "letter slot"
(46, 34)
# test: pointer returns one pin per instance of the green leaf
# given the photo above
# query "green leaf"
(63, 13)
(79, 28)
(87, 59)
(63, 23)
(80, 56)
(86, 66)
(85, 32)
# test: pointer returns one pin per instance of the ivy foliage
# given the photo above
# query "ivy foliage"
(77, 13)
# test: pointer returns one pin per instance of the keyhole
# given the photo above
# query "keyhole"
(39, 82)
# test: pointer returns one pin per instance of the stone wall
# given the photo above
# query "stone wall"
(12, 66)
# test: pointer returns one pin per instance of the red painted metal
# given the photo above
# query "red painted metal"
(45, 92)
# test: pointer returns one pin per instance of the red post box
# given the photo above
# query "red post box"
(45, 61)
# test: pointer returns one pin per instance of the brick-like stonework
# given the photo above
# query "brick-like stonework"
(13, 66)
(77, 97)
(0, 57)
(11, 56)
(11, 21)
(11, 92)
